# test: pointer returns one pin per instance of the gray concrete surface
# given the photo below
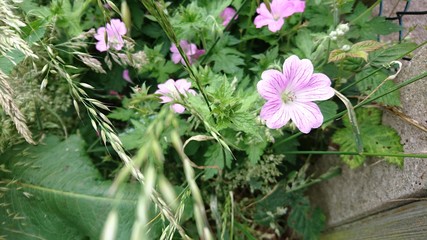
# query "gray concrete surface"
(378, 186)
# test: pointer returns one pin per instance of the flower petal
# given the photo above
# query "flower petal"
(173, 48)
(272, 84)
(317, 89)
(297, 71)
(275, 115)
(264, 18)
(275, 26)
(182, 85)
(305, 115)
(176, 58)
(286, 8)
(117, 26)
(178, 108)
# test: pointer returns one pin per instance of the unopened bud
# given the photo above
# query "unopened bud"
(345, 48)
(343, 27)
(126, 16)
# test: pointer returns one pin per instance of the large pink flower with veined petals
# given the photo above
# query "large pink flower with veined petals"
(172, 91)
(110, 36)
(190, 50)
(290, 95)
(280, 9)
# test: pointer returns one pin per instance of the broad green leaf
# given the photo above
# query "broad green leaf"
(53, 191)
(304, 42)
(376, 138)
(306, 220)
(358, 54)
(337, 55)
(329, 110)
(369, 84)
(214, 159)
(366, 46)
(384, 56)
(227, 60)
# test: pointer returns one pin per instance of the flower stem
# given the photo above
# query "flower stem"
(367, 154)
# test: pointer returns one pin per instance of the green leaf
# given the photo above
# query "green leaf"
(376, 138)
(304, 42)
(366, 46)
(122, 114)
(329, 109)
(337, 55)
(255, 151)
(214, 157)
(227, 60)
(370, 84)
(305, 220)
(54, 192)
(385, 55)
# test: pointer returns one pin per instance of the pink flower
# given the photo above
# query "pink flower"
(227, 15)
(190, 50)
(126, 76)
(110, 36)
(280, 9)
(173, 90)
(290, 95)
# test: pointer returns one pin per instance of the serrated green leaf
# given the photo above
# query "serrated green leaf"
(227, 60)
(305, 43)
(328, 108)
(366, 46)
(121, 114)
(370, 83)
(377, 138)
(214, 157)
(358, 54)
(337, 55)
(255, 152)
(385, 55)
(305, 220)
(54, 192)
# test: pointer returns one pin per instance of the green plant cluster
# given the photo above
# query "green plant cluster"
(114, 162)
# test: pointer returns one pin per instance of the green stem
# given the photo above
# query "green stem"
(410, 155)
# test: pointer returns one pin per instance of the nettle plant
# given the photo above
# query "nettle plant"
(192, 119)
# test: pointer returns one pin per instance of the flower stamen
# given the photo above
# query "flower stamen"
(288, 96)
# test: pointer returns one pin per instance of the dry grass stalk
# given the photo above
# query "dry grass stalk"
(8, 105)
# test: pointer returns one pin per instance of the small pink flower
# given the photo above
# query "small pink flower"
(172, 90)
(190, 50)
(290, 95)
(110, 36)
(280, 9)
(227, 15)
(126, 76)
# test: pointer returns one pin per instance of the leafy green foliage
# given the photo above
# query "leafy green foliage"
(376, 138)
(157, 66)
(367, 27)
(306, 220)
(385, 55)
(239, 161)
(372, 80)
(358, 50)
(216, 158)
(225, 58)
(54, 192)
